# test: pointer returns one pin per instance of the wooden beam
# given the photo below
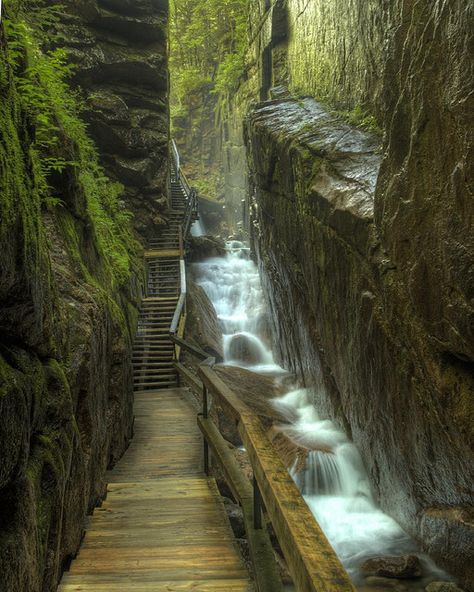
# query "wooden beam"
(189, 379)
(152, 253)
(260, 547)
(192, 349)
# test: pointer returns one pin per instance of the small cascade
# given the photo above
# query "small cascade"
(337, 490)
(334, 481)
(232, 284)
(198, 229)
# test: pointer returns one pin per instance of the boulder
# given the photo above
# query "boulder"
(245, 349)
(203, 328)
(398, 567)
(203, 247)
(256, 391)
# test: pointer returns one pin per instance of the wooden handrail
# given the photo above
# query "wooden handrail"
(197, 352)
(260, 547)
(311, 560)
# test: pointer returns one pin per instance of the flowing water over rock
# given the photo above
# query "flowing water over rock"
(198, 229)
(233, 286)
(334, 481)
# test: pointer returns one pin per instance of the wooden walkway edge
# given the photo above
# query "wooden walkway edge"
(163, 526)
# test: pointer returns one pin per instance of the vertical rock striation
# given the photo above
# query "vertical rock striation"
(69, 270)
(120, 52)
(376, 266)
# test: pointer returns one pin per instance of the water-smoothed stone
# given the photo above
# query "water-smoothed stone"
(203, 328)
(399, 567)
(245, 349)
(257, 391)
(204, 247)
(443, 587)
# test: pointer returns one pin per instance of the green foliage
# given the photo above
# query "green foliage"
(208, 44)
(361, 118)
(60, 142)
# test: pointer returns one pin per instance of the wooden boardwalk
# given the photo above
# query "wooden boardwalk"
(163, 526)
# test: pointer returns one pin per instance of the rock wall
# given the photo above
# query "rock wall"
(119, 49)
(70, 272)
(376, 267)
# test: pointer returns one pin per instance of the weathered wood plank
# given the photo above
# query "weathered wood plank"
(162, 526)
(260, 547)
(160, 253)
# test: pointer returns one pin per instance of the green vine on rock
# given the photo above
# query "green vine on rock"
(59, 141)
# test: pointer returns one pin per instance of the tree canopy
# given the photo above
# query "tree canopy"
(208, 44)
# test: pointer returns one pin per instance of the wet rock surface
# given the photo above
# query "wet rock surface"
(254, 390)
(120, 56)
(203, 329)
(353, 321)
(245, 350)
(203, 247)
(404, 567)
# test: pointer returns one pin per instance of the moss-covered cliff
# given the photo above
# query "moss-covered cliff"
(69, 283)
(379, 275)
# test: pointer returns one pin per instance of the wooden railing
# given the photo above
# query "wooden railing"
(192, 200)
(312, 562)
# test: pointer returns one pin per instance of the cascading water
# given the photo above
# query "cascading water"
(232, 284)
(197, 229)
(334, 482)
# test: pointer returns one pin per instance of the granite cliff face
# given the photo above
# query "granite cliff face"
(121, 66)
(372, 251)
(70, 273)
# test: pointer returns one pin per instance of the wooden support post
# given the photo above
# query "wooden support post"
(205, 412)
(204, 402)
(206, 457)
(257, 506)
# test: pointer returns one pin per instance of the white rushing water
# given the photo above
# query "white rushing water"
(197, 229)
(334, 482)
(233, 286)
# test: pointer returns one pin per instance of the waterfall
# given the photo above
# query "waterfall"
(336, 487)
(334, 482)
(198, 229)
(232, 283)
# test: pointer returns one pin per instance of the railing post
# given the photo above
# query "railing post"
(181, 242)
(205, 413)
(257, 506)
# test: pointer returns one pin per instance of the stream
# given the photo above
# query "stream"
(334, 483)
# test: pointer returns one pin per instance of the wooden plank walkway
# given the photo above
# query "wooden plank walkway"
(163, 525)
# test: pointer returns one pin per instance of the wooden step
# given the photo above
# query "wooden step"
(143, 378)
(151, 364)
(156, 384)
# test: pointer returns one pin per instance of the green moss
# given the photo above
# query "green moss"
(360, 117)
(59, 143)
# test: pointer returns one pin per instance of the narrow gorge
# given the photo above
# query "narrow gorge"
(259, 213)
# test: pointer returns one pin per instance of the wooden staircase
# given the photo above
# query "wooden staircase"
(153, 351)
